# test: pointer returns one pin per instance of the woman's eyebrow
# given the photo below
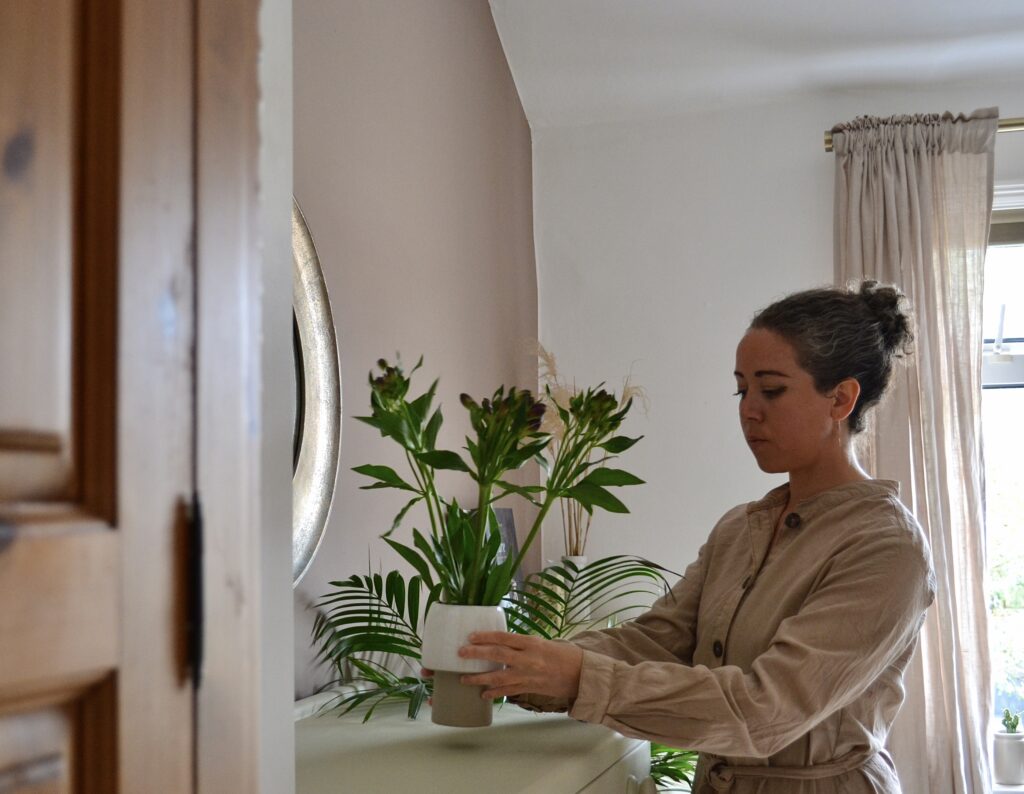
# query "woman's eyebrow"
(762, 373)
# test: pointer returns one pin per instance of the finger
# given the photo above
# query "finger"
(425, 673)
(499, 638)
(482, 679)
(503, 691)
(489, 653)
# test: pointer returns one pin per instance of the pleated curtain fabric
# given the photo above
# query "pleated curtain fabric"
(913, 204)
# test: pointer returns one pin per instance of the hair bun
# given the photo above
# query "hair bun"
(888, 305)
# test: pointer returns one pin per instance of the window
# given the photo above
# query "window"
(1002, 417)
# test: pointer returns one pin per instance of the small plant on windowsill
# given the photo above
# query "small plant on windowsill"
(1008, 752)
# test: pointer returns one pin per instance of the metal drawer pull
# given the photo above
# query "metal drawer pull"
(31, 773)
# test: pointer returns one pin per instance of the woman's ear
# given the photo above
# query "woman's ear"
(844, 398)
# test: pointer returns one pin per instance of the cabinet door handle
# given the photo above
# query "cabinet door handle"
(637, 786)
(31, 773)
(7, 535)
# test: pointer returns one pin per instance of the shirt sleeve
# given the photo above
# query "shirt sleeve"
(864, 613)
(667, 632)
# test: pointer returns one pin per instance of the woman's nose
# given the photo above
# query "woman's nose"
(750, 409)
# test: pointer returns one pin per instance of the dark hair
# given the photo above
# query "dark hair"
(845, 333)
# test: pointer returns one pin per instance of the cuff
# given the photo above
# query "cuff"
(532, 702)
(596, 676)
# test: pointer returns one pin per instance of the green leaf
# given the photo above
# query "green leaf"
(393, 426)
(419, 407)
(414, 602)
(526, 452)
(618, 444)
(605, 477)
(386, 475)
(591, 496)
(525, 491)
(442, 459)
(396, 592)
(414, 558)
(433, 426)
(401, 514)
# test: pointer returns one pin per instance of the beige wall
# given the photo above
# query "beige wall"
(413, 169)
(656, 243)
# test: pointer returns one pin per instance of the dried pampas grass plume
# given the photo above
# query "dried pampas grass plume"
(554, 389)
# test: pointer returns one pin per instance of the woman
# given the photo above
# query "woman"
(780, 653)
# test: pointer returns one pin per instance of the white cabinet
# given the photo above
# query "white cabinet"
(521, 753)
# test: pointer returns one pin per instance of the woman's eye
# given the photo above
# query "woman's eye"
(771, 394)
(740, 393)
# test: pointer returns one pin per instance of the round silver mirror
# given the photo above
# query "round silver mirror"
(317, 431)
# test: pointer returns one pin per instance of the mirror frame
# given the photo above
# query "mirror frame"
(318, 400)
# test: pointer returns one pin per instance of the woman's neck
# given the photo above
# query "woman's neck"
(830, 470)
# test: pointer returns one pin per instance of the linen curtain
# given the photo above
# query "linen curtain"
(913, 204)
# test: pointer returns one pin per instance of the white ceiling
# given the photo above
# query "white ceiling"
(590, 61)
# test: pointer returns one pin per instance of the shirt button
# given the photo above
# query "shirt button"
(793, 521)
(718, 649)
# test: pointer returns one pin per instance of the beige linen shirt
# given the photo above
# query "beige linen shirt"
(792, 658)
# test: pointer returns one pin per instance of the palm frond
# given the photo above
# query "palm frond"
(672, 769)
(563, 599)
(376, 685)
(371, 615)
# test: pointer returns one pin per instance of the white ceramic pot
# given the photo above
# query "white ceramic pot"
(1008, 758)
(447, 629)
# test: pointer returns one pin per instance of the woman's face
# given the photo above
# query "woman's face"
(787, 422)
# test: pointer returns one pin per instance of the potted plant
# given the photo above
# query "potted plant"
(1008, 752)
(369, 627)
(456, 560)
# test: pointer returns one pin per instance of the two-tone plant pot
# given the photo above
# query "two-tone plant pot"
(1008, 758)
(447, 629)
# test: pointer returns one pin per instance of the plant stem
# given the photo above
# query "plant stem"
(419, 474)
(482, 510)
(550, 500)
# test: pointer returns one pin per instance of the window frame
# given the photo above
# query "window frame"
(1007, 228)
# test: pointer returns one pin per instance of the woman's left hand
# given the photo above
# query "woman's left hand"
(532, 665)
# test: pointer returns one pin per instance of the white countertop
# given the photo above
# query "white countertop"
(521, 753)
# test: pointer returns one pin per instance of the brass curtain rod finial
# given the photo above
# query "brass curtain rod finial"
(1005, 125)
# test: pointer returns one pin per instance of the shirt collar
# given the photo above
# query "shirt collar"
(824, 500)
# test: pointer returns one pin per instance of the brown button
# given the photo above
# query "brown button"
(746, 583)
(718, 649)
(793, 521)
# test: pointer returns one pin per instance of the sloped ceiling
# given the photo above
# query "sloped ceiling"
(591, 61)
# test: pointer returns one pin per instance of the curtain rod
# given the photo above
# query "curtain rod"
(1005, 125)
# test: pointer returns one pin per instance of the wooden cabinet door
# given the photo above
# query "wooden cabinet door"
(96, 385)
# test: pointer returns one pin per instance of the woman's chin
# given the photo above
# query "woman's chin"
(769, 466)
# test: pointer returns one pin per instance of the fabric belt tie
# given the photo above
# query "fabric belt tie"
(722, 775)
